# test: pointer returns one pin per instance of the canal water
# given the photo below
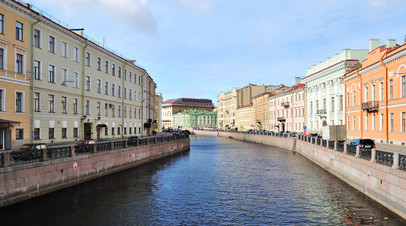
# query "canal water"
(220, 181)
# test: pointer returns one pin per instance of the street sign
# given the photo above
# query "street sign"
(304, 127)
(75, 165)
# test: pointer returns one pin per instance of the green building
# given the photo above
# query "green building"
(194, 118)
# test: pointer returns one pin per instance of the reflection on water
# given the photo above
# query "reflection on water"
(220, 181)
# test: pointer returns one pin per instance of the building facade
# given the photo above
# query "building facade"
(173, 106)
(325, 91)
(376, 95)
(158, 111)
(14, 75)
(245, 118)
(194, 118)
(227, 103)
(286, 110)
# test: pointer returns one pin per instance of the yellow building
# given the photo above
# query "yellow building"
(14, 76)
(245, 119)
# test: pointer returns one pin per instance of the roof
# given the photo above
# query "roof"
(187, 99)
(268, 91)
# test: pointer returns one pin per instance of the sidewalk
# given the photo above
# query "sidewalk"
(391, 148)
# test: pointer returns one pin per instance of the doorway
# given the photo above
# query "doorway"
(88, 131)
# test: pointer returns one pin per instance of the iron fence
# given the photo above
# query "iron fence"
(318, 141)
(104, 146)
(84, 149)
(331, 144)
(59, 152)
(383, 157)
(351, 149)
(340, 146)
(18, 158)
(402, 162)
(1, 159)
(324, 143)
(365, 153)
(313, 140)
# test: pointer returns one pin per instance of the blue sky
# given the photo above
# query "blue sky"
(199, 48)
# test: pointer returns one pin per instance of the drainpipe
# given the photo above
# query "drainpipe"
(83, 82)
(344, 97)
(32, 78)
(386, 97)
(360, 104)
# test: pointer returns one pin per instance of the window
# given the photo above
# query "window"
(37, 103)
(51, 44)
(130, 112)
(19, 134)
(113, 92)
(19, 102)
(106, 131)
(341, 102)
(2, 100)
(75, 132)
(112, 130)
(51, 103)
(113, 110)
(119, 111)
(88, 107)
(332, 103)
(366, 94)
(125, 112)
(51, 133)
(118, 130)
(106, 109)
(87, 59)
(119, 72)
(64, 76)
(403, 122)
(129, 94)
(64, 108)
(106, 88)
(37, 68)
(106, 66)
(51, 73)
(75, 80)
(2, 59)
(37, 38)
(98, 86)
(373, 122)
(113, 69)
(19, 63)
(366, 123)
(391, 122)
(98, 109)
(1, 23)
(99, 63)
(125, 93)
(353, 98)
(348, 123)
(391, 89)
(64, 133)
(125, 74)
(119, 91)
(135, 112)
(75, 54)
(381, 122)
(139, 80)
(135, 78)
(37, 134)
(64, 49)
(88, 83)
(139, 113)
(135, 95)
(19, 31)
(129, 76)
(403, 86)
(353, 122)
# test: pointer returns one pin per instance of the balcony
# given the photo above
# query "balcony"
(285, 104)
(321, 111)
(281, 119)
(370, 106)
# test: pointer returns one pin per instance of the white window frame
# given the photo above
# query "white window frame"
(54, 67)
(39, 38)
(22, 63)
(76, 80)
(88, 84)
(75, 54)
(88, 59)
(39, 69)
(64, 51)
(49, 46)
(64, 80)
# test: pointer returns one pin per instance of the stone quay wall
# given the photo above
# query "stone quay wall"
(21, 182)
(384, 184)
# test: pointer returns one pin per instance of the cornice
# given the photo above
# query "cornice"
(334, 68)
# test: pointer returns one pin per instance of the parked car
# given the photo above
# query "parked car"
(84, 146)
(133, 140)
(30, 151)
(363, 143)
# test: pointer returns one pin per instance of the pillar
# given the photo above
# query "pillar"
(395, 160)
(357, 152)
(373, 155)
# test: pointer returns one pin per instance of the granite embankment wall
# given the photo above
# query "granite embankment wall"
(382, 183)
(21, 182)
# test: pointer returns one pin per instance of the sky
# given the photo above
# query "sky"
(199, 48)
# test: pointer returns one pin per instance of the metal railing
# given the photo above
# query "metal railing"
(64, 151)
(340, 146)
(322, 111)
(402, 162)
(365, 153)
(385, 158)
(352, 149)
(324, 143)
(370, 106)
(318, 141)
(331, 144)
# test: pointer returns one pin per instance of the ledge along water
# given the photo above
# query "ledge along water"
(220, 181)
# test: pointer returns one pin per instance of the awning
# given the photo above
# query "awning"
(4, 123)
(101, 125)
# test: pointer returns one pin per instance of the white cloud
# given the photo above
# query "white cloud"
(134, 13)
(203, 5)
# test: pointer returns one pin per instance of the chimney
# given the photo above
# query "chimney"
(297, 80)
(373, 44)
(78, 31)
(390, 43)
